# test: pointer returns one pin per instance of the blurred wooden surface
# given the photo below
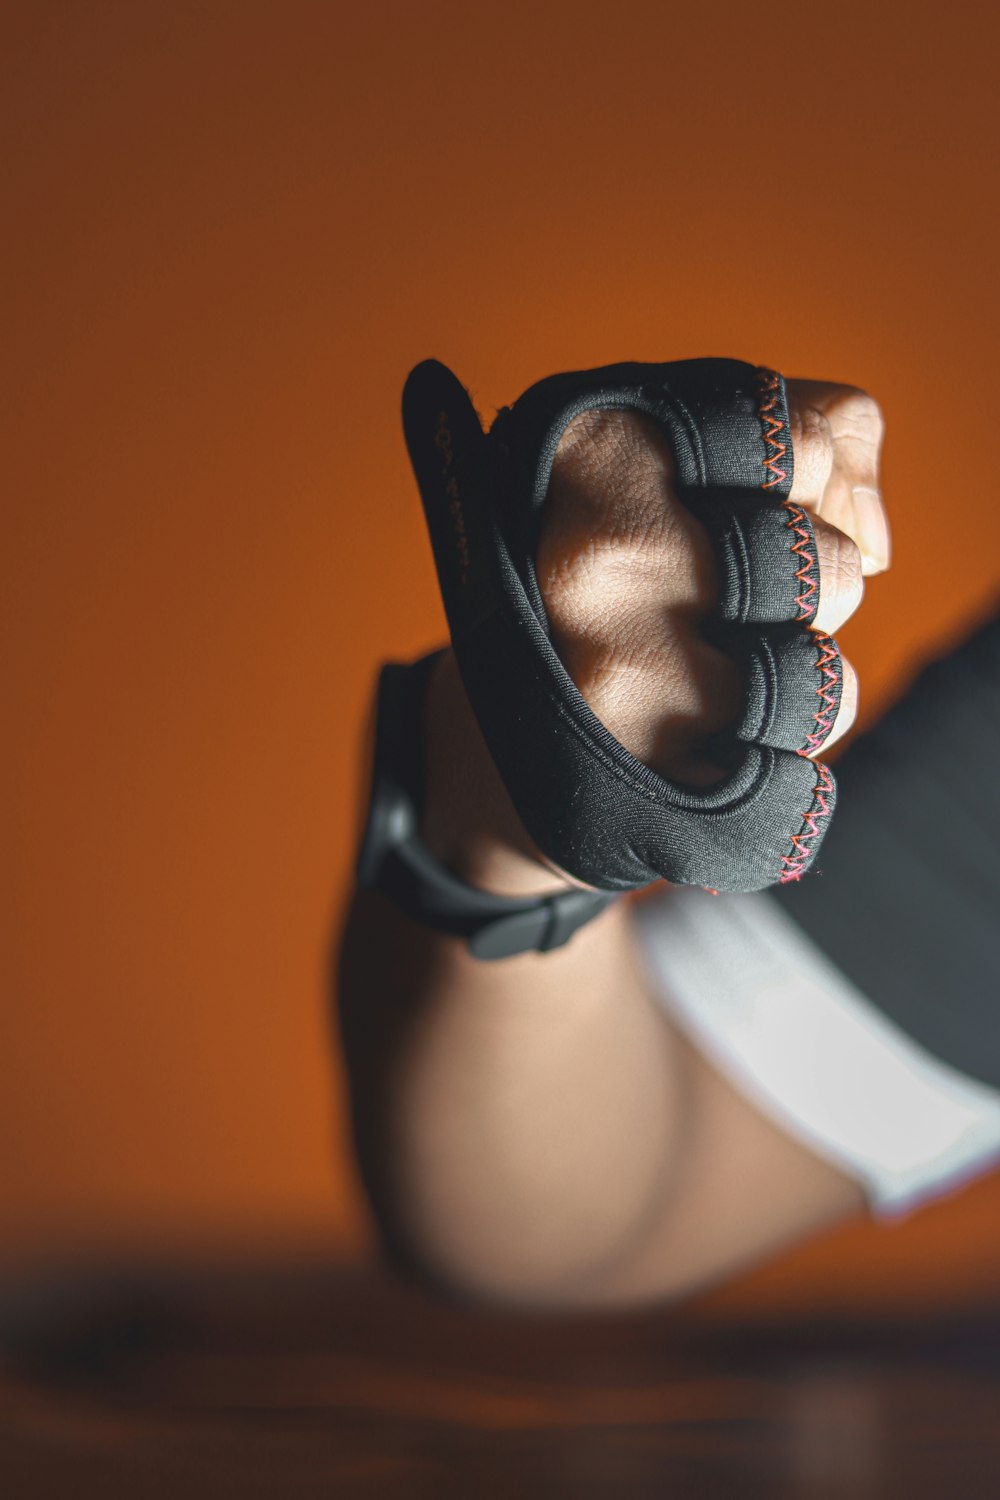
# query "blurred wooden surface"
(306, 1380)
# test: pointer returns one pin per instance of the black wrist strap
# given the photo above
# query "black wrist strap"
(493, 926)
(395, 861)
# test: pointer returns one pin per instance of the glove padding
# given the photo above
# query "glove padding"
(589, 805)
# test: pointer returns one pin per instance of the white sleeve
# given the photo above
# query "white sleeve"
(790, 1031)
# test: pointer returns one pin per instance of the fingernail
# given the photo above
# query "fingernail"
(872, 530)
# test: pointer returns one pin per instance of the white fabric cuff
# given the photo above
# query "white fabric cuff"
(788, 1029)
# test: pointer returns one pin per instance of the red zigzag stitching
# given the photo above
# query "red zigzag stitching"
(827, 712)
(805, 600)
(773, 423)
(767, 381)
(796, 862)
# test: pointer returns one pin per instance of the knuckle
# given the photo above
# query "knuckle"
(859, 414)
(848, 577)
(872, 415)
(812, 450)
(841, 572)
(812, 436)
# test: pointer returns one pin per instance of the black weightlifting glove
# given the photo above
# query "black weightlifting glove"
(590, 806)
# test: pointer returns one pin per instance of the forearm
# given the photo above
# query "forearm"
(516, 1121)
(537, 1131)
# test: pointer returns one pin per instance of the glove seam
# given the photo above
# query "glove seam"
(773, 423)
(797, 521)
(827, 693)
(797, 860)
(653, 794)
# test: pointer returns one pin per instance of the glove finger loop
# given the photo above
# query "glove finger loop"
(793, 683)
(804, 844)
(768, 562)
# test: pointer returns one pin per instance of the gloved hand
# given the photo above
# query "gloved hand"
(642, 566)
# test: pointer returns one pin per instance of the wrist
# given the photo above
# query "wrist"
(468, 820)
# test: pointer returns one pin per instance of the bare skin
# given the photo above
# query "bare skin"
(535, 1130)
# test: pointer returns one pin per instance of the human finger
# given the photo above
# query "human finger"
(843, 719)
(841, 575)
(837, 434)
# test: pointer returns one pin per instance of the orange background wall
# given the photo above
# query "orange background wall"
(233, 228)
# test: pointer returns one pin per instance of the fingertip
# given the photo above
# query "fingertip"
(871, 530)
(841, 576)
(871, 565)
(848, 709)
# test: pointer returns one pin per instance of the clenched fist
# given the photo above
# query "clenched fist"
(642, 567)
(629, 576)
